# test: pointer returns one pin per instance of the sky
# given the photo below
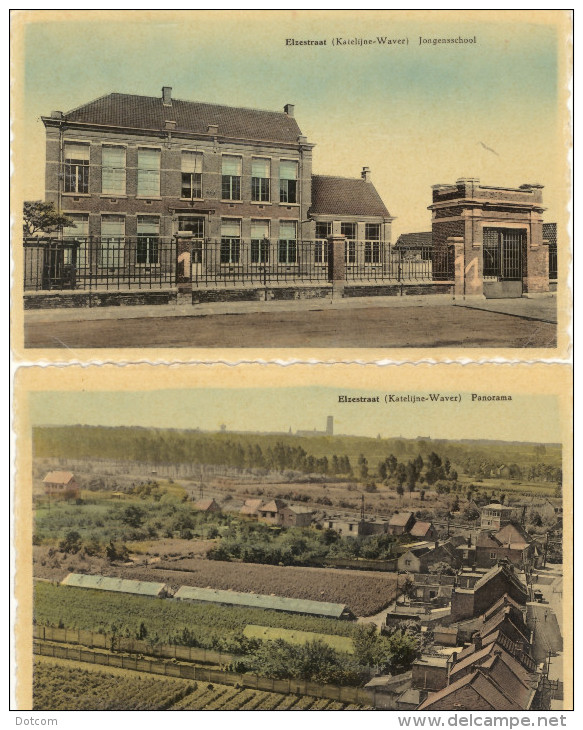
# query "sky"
(415, 114)
(526, 418)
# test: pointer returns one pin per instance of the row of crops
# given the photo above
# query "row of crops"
(204, 625)
(58, 686)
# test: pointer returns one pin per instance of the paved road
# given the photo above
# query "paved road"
(326, 326)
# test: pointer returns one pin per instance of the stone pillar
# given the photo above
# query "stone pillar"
(184, 268)
(337, 262)
(459, 264)
(535, 275)
(474, 260)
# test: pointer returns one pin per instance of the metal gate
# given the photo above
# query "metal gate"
(503, 250)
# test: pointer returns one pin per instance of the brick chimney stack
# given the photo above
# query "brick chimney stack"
(167, 95)
(365, 174)
(289, 109)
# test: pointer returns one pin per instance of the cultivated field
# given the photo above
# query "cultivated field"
(63, 685)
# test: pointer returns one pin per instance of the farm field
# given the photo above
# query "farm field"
(364, 592)
(266, 633)
(204, 625)
(65, 685)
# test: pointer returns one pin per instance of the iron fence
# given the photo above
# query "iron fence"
(150, 262)
(99, 263)
(552, 261)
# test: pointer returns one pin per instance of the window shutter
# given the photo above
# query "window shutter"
(231, 228)
(76, 151)
(259, 167)
(113, 225)
(148, 159)
(288, 170)
(231, 166)
(191, 162)
(113, 156)
(148, 224)
(259, 230)
(287, 230)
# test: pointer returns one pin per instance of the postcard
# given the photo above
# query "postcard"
(294, 538)
(201, 185)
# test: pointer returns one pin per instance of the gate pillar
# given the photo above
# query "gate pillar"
(535, 268)
(184, 268)
(337, 263)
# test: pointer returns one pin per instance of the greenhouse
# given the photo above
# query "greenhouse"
(118, 585)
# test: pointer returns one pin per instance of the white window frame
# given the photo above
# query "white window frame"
(147, 173)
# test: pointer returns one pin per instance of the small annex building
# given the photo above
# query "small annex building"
(273, 603)
(60, 484)
(115, 585)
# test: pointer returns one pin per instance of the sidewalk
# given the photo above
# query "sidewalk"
(543, 309)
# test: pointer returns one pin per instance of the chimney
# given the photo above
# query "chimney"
(365, 174)
(57, 115)
(169, 124)
(469, 541)
(289, 109)
(167, 95)
(212, 129)
(477, 641)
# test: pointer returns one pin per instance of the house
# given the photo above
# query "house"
(511, 542)
(234, 184)
(501, 579)
(295, 516)
(495, 515)
(430, 672)
(250, 508)
(207, 505)
(420, 559)
(423, 530)
(271, 511)
(416, 246)
(344, 525)
(61, 484)
(432, 587)
(400, 523)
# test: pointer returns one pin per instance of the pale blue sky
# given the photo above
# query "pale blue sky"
(525, 418)
(414, 114)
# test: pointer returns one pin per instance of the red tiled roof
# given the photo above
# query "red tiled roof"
(345, 196)
(148, 112)
(482, 684)
(420, 529)
(400, 519)
(58, 477)
(414, 240)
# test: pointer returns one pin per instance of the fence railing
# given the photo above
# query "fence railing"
(552, 261)
(349, 695)
(150, 262)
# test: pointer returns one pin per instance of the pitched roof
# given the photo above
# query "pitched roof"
(59, 477)
(119, 585)
(148, 112)
(255, 600)
(414, 240)
(204, 504)
(345, 196)
(420, 529)
(513, 534)
(298, 509)
(483, 685)
(251, 506)
(508, 573)
(400, 519)
(274, 506)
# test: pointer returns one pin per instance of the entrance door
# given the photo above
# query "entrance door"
(192, 262)
(503, 254)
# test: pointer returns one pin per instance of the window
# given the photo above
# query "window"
(148, 239)
(492, 556)
(113, 170)
(231, 184)
(323, 230)
(148, 172)
(259, 242)
(349, 230)
(230, 241)
(260, 173)
(79, 232)
(76, 168)
(287, 248)
(191, 175)
(372, 244)
(407, 562)
(112, 241)
(191, 224)
(288, 180)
